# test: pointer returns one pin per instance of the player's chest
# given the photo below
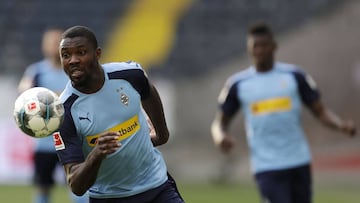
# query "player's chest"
(265, 87)
(112, 105)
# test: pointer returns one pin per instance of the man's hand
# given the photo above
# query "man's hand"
(348, 127)
(226, 144)
(107, 143)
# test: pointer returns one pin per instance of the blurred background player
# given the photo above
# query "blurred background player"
(270, 94)
(46, 73)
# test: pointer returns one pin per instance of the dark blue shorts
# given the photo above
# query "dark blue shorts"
(292, 185)
(165, 193)
(45, 165)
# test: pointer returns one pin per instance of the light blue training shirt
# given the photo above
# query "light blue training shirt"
(137, 166)
(271, 103)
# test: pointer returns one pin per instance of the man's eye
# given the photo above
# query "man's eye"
(65, 55)
(82, 52)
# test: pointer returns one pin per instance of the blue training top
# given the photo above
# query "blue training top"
(271, 103)
(137, 166)
(45, 74)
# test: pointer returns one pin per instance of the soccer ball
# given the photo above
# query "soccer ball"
(38, 112)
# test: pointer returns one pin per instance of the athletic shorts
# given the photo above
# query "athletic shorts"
(165, 193)
(45, 165)
(292, 185)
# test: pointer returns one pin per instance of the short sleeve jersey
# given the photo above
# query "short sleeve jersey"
(45, 74)
(271, 103)
(137, 166)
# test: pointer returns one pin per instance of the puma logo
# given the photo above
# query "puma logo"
(85, 118)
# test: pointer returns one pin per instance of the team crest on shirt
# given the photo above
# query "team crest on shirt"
(123, 97)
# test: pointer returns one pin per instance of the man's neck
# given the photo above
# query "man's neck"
(265, 67)
(96, 83)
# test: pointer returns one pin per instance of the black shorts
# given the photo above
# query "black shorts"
(165, 193)
(45, 164)
(292, 185)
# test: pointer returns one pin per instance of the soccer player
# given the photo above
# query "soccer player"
(46, 73)
(270, 95)
(104, 142)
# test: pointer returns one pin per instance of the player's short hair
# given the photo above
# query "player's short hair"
(81, 31)
(260, 28)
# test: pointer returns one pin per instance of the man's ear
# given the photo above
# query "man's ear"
(98, 53)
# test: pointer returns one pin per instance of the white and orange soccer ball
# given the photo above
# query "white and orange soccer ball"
(38, 112)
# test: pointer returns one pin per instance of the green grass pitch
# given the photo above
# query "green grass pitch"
(199, 193)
